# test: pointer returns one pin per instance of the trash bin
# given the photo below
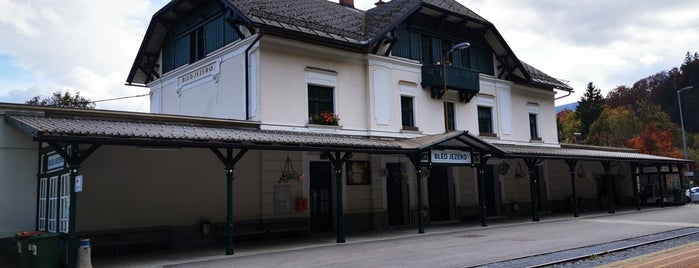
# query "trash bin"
(37, 249)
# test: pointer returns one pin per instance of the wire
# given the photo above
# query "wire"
(121, 98)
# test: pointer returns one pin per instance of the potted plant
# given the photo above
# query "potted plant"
(324, 118)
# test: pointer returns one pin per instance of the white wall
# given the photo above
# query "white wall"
(18, 181)
(219, 93)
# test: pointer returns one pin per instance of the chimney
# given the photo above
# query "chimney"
(347, 3)
(379, 3)
(578, 138)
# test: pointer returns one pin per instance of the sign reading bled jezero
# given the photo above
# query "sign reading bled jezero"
(450, 157)
(197, 74)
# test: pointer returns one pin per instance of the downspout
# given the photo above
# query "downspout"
(247, 74)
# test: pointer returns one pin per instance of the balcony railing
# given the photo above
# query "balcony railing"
(463, 80)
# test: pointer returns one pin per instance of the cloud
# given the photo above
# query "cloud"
(77, 45)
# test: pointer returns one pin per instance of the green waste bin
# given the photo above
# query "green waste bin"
(37, 249)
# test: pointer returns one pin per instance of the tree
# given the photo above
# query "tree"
(66, 100)
(655, 141)
(589, 108)
(614, 127)
(569, 124)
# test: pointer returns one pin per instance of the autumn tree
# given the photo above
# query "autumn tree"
(569, 124)
(614, 127)
(655, 141)
(66, 100)
(589, 107)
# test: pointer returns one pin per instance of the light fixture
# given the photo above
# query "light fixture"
(684, 141)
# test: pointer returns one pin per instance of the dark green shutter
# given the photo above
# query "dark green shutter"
(168, 56)
(213, 35)
(436, 50)
(456, 58)
(402, 47)
(415, 48)
(181, 51)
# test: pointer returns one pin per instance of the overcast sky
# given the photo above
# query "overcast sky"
(88, 46)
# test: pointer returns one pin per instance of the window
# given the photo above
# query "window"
(43, 184)
(533, 128)
(320, 99)
(53, 203)
(449, 116)
(64, 217)
(196, 43)
(407, 113)
(485, 121)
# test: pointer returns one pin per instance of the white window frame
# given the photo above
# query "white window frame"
(64, 215)
(43, 186)
(533, 108)
(323, 78)
(53, 204)
(488, 101)
(410, 90)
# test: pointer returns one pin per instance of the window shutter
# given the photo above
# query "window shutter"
(415, 48)
(402, 47)
(213, 35)
(436, 50)
(456, 58)
(181, 51)
(168, 56)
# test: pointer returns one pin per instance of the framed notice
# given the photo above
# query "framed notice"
(282, 198)
(358, 173)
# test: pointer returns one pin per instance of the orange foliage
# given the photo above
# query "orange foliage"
(654, 141)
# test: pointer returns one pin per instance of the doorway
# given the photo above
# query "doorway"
(440, 194)
(493, 197)
(396, 194)
(320, 196)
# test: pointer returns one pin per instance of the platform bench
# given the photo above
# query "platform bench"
(138, 238)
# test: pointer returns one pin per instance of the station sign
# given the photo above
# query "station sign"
(450, 157)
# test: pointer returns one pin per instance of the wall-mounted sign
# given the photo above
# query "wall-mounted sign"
(454, 157)
(78, 183)
(282, 198)
(199, 73)
(54, 161)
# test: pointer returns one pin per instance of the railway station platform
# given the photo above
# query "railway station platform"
(444, 245)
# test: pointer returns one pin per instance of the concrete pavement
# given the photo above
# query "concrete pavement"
(457, 245)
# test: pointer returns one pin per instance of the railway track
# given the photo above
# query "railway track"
(594, 251)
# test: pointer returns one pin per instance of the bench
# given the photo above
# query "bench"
(137, 238)
(264, 228)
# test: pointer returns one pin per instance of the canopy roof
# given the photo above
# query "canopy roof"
(142, 129)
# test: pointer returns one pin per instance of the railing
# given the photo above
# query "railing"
(457, 78)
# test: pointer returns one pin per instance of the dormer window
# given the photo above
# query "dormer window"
(196, 43)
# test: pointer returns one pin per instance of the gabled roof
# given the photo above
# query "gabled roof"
(332, 24)
(541, 78)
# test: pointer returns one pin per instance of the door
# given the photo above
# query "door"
(395, 194)
(439, 194)
(321, 196)
(491, 185)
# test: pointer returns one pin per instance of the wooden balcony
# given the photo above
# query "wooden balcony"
(463, 80)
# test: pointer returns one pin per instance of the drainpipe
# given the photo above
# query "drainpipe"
(247, 74)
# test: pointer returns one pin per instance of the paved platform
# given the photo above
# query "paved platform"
(453, 245)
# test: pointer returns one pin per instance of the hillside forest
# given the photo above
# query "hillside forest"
(644, 116)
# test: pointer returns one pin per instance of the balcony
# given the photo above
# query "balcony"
(463, 80)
